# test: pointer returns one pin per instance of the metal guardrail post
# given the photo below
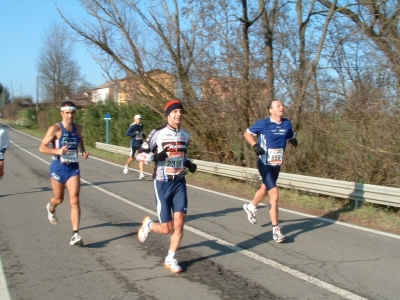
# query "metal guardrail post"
(358, 192)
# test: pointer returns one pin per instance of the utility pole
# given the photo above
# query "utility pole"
(37, 93)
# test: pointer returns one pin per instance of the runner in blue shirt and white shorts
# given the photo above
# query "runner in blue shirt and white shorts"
(272, 135)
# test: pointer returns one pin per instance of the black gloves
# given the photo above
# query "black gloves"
(293, 142)
(191, 166)
(257, 149)
(3, 150)
(161, 156)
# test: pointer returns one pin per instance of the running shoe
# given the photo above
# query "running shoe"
(126, 170)
(76, 240)
(277, 235)
(172, 265)
(251, 214)
(141, 176)
(144, 230)
(52, 216)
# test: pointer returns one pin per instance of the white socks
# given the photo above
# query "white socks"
(171, 255)
(251, 206)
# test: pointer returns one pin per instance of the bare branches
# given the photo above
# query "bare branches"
(59, 73)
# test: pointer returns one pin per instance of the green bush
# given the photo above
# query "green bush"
(121, 117)
(94, 125)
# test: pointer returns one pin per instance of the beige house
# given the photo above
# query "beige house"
(132, 88)
(103, 92)
(157, 81)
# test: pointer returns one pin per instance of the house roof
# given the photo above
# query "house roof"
(82, 103)
(84, 96)
(107, 84)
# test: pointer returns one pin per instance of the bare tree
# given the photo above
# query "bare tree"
(379, 21)
(59, 74)
(135, 41)
(268, 19)
(4, 95)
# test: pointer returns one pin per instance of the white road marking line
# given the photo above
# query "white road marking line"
(324, 285)
(280, 209)
(262, 204)
(4, 295)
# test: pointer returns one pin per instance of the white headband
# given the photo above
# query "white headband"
(68, 108)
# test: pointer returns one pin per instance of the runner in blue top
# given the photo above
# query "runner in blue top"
(135, 131)
(272, 134)
(169, 144)
(63, 140)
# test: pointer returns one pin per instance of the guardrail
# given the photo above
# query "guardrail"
(355, 191)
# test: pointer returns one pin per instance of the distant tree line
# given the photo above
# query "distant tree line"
(4, 95)
(333, 63)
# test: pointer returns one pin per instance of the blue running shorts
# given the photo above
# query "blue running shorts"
(171, 197)
(269, 174)
(62, 172)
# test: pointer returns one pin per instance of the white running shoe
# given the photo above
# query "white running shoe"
(172, 265)
(277, 235)
(251, 214)
(144, 230)
(52, 216)
(76, 240)
(126, 170)
(141, 176)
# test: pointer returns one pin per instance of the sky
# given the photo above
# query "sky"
(23, 24)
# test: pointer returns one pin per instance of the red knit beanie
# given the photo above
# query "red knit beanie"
(172, 105)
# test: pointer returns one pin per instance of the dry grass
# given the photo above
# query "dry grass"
(368, 215)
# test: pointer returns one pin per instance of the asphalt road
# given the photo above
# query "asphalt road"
(223, 256)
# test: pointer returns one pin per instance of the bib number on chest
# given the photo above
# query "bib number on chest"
(139, 135)
(174, 163)
(70, 157)
(275, 157)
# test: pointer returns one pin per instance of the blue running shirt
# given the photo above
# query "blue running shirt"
(70, 139)
(272, 137)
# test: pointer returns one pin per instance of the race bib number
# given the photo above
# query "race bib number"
(70, 157)
(145, 157)
(275, 157)
(174, 163)
(139, 135)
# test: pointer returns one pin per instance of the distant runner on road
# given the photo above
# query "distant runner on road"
(135, 131)
(65, 139)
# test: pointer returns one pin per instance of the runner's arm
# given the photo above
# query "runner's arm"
(50, 136)
(131, 131)
(81, 145)
(6, 139)
(248, 136)
(250, 139)
(292, 140)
